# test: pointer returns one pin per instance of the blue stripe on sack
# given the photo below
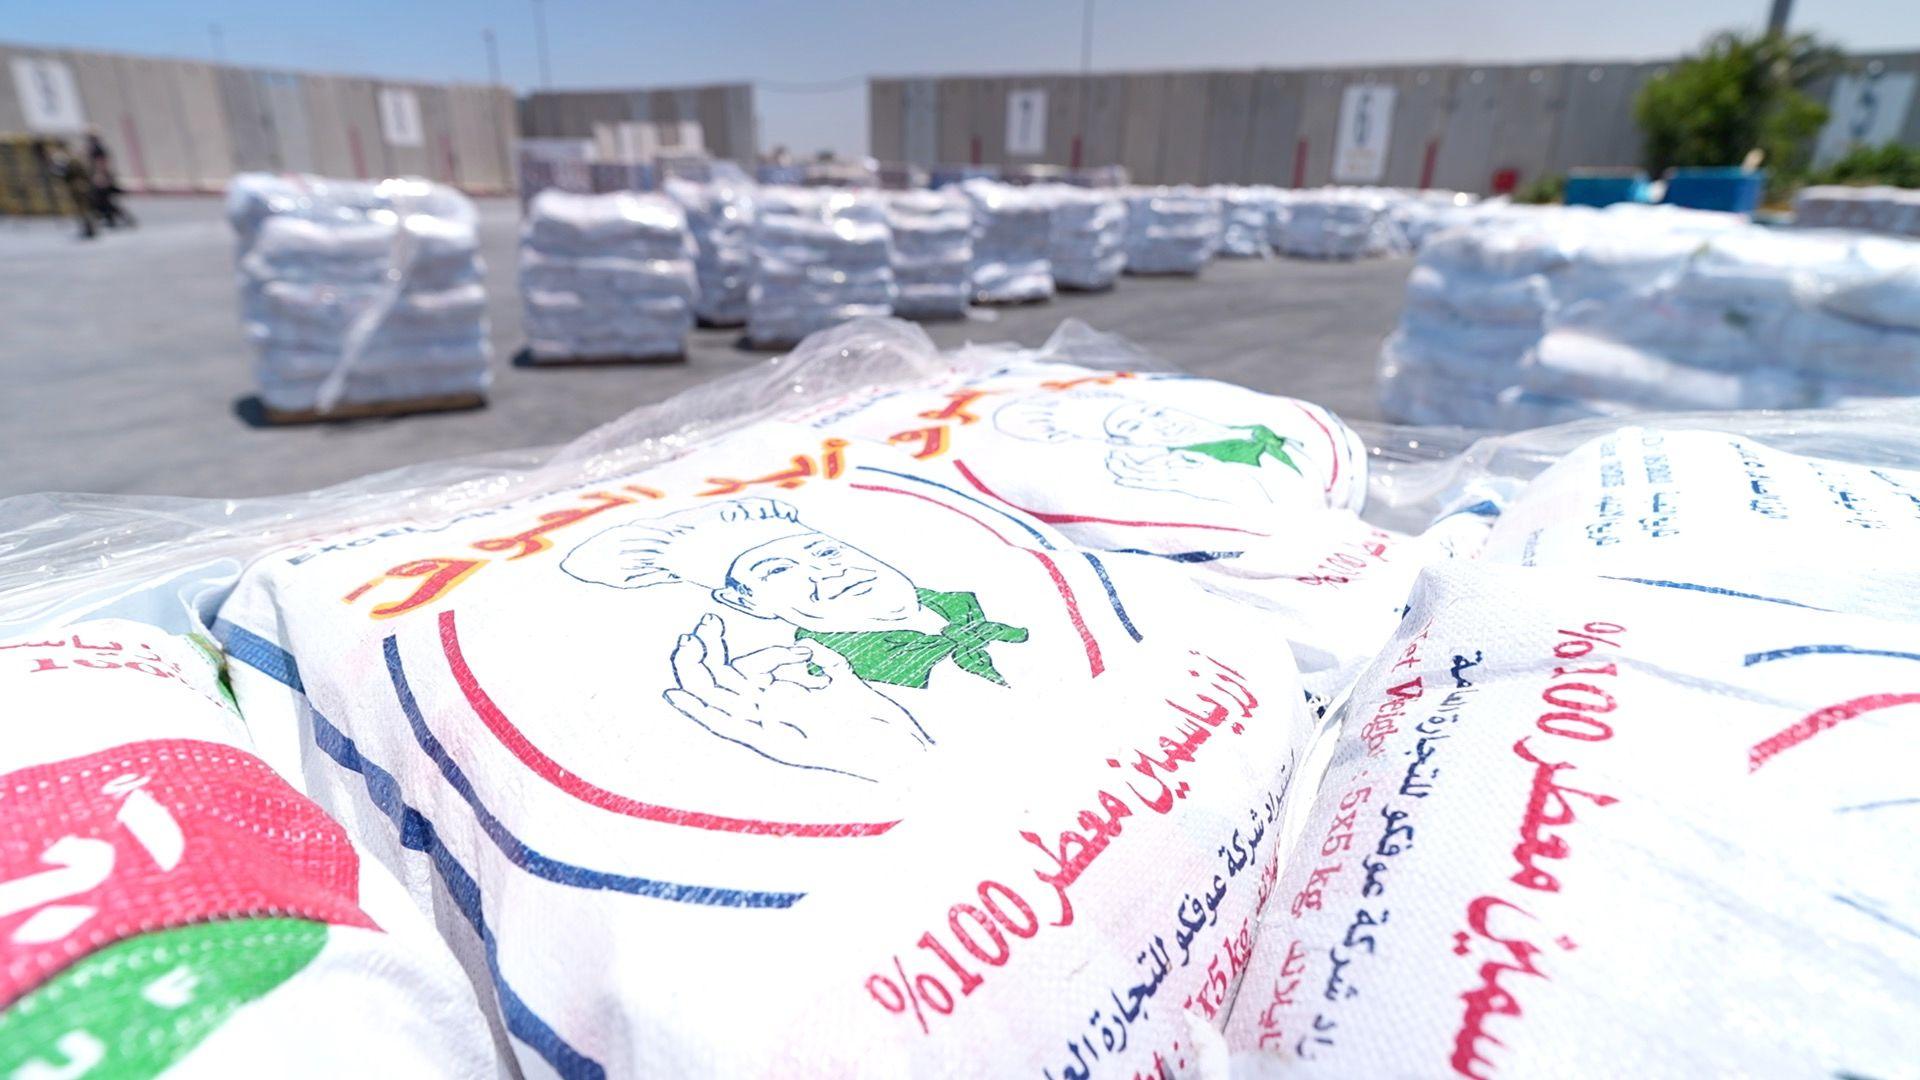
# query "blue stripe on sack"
(416, 834)
(1113, 597)
(1713, 590)
(1182, 556)
(542, 866)
(1805, 650)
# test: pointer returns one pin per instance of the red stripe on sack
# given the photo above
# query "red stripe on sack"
(1335, 442)
(566, 780)
(1059, 519)
(1816, 722)
(1060, 585)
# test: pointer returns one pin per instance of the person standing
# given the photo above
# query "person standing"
(106, 186)
(65, 171)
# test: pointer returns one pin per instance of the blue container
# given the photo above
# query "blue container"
(1605, 189)
(1728, 188)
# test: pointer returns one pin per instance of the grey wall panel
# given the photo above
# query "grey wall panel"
(284, 97)
(1183, 144)
(886, 119)
(1530, 101)
(1106, 117)
(359, 102)
(1145, 111)
(248, 128)
(1065, 119)
(711, 108)
(956, 121)
(1595, 126)
(153, 125)
(1320, 96)
(990, 119)
(203, 120)
(1419, 119)
(12, 117)
(436, 123)
(744, 123)
(1274, 130)
(405, 160)
(1465, 159)
(1229, 127)
(920, 121)
(327, 126)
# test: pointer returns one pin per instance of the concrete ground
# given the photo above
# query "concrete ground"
(125, 370)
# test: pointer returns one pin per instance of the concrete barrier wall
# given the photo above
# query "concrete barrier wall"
(724, 112)
(176, 125)
(1453, 125)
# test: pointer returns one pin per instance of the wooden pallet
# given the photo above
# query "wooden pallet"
(373, 409)
(525, 358)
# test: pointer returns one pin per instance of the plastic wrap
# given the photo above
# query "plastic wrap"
(606, 276)
(720, 212)
(932, 252)
(1246, 216)
(1171, 230)
(1010, 242)
(1341, 223)
(358, 293)
(821, 256)
(1087, 241)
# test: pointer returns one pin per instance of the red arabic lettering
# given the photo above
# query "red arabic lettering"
(442, 576)
(956, 407)
(1489, 998)
(832, 464)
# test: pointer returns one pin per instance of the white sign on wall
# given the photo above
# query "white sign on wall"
(48, 97)
(1865, 110)
(1026, 123)
(400, 117)
(1366, 125)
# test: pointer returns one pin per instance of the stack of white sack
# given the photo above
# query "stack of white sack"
(821, 256)
(1010, 241)
(1246, 217)
(1684, 633)
(1087, 243)
(606, 276)
(1874, 209)
(720, 214)
(1417, 216)
(932, 252)
(1484, 293)
(1171, 230)
(359, 293)
(1341, 223)
(172, 904)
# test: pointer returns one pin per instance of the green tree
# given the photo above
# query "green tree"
(1740, 92)
(1889, 164)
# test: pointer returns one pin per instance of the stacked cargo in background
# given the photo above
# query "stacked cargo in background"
(1011, 228)
(821, 256)
(1537, 316)
(720, 214)
(1087, 240)
(360, 295)
(932, 252)
(606, 277)
(1171, 230)
(1246, 213)
(1340, 223)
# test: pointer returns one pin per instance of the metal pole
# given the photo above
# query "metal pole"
(1777, 17)
(493, 57)
(219, 45)
(540, 38)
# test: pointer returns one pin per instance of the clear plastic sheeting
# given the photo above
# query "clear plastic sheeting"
(821, 256)
(1874, 209)
(932, 252)
(606, 276)
(720, 211)
(1246, 214)
(1011, 233)
(358, 293)
(1171, 230)
(1087, 241)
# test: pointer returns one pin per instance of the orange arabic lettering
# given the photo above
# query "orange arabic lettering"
(441, 575)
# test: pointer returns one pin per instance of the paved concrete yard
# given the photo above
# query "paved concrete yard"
(123, 362)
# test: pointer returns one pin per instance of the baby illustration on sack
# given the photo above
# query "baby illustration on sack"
(1158, 448)
(858, 624)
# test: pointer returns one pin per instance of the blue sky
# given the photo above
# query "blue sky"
(839, 42)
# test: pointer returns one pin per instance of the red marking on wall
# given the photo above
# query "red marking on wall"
(1426, 166)
(974, 151)
(132, 134)
(1300, 162)
(359, 156)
